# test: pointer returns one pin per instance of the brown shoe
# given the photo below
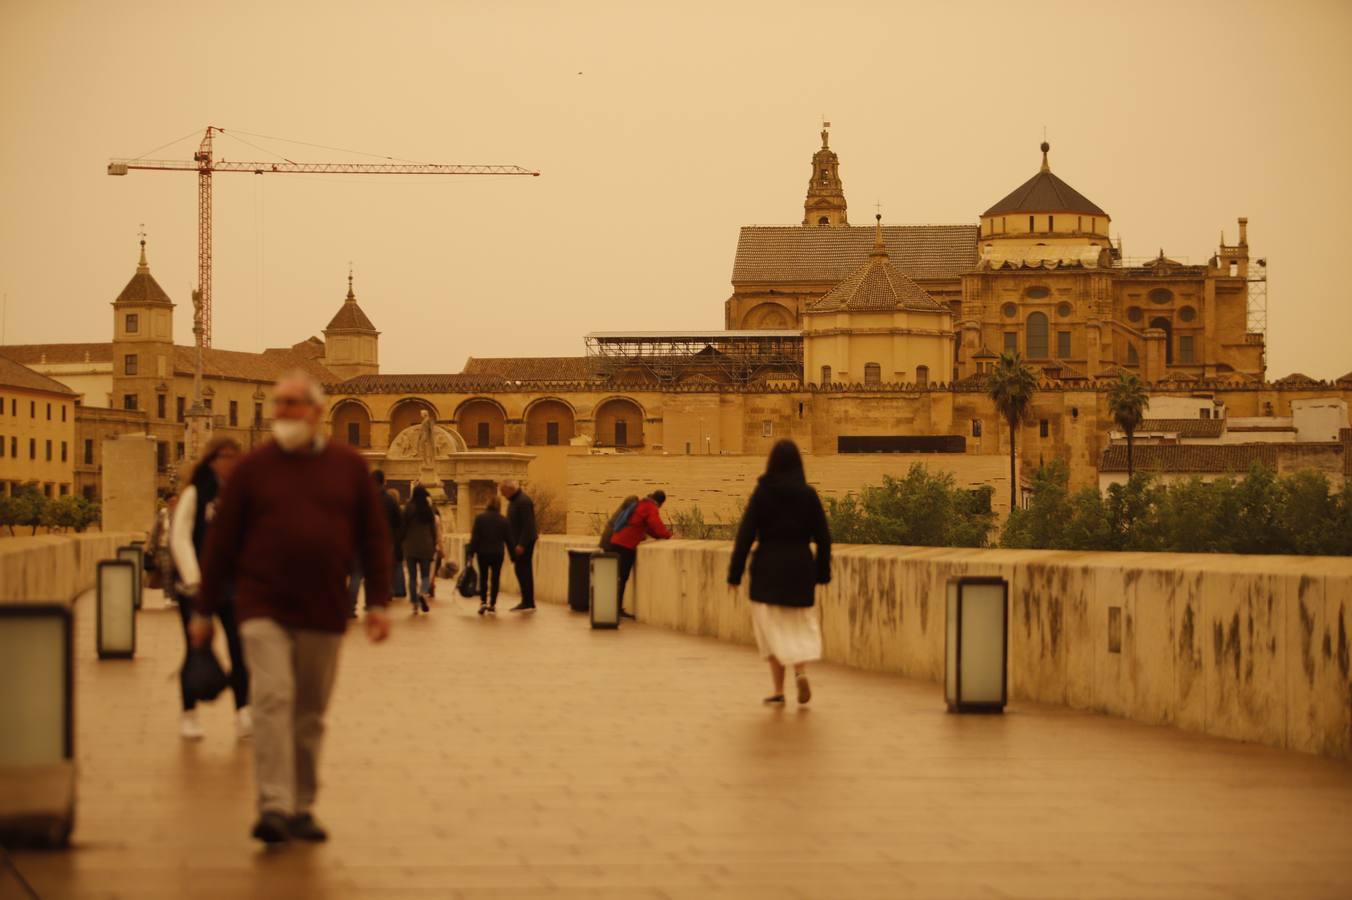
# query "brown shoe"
(804, 689)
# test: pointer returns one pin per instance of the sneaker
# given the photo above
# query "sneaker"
(521, 607)
(423, 602)
(189, 728)
(304, 828)
(626, 614)
(272, 829)
(483, 608)
(774, 700)
(804, 689)
(243, 723)
(493, 609)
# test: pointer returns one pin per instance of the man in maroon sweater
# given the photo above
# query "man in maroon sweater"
(294, 518)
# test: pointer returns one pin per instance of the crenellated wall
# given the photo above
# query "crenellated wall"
(1254, 648)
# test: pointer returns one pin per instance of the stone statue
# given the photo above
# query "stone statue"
(427, 439)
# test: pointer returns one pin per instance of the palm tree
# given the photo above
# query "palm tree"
(1011, 385)
(1127, 401)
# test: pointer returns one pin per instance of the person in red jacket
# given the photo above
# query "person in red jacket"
(645, 520)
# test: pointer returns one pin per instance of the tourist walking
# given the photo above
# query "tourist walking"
(644, 521)
(394, 517)
(294, 516)
(783, 518)
(488, 541)
(159, 555)
(521, 538)
(421, 535)
(192, 520)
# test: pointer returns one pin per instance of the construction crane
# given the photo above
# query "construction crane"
(205, 164)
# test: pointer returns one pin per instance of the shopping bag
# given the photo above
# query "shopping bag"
(468, 585)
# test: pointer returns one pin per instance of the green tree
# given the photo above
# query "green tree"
(1011, 384)
(918, 509)
(1194, 516)
(64, 512)
(1257, 525)
(1310, 516)
(24, 507)
(1131, 514)
(1056, 519)
(1127, 401)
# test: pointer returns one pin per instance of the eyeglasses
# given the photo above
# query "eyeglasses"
(290, 401)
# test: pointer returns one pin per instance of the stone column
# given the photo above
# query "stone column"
(1155, 358)
(129, 483)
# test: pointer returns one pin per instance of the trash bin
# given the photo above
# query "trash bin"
(116, 603)
(975, 649)
(136, 556)
(605, 590)
(579, 578)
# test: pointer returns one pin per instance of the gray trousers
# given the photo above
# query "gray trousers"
(291, 673)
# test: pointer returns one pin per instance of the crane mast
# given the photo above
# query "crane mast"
(205, 164)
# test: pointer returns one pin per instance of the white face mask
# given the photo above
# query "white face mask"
(292, 434)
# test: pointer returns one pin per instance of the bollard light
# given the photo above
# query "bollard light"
(975, 664)
(579, 577)
(37, 730)
(116, 601)
(136, 556)
(605, 590)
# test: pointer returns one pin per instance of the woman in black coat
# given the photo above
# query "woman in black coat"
(488, 544)
(784, 517)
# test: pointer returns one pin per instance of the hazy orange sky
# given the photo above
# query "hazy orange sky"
(659, 132)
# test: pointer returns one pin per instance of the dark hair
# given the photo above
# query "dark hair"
(659, 496)
(379, 476)
(493, 504)
(202, 470)
(421, 504)
(785, 461)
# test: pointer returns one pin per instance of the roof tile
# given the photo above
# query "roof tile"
(795, 253)
(16, 375)
(1202, 459)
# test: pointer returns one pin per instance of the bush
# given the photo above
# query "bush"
(25, 507)
(1260, 514)
(690, 524)
(919, 509)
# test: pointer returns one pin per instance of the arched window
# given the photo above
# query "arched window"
(1168, 328)
(826, 374)
(1035, 339)
(922, 376)
(873, 374)
(823, 221)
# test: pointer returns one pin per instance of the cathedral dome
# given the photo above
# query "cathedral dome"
(1045, 207)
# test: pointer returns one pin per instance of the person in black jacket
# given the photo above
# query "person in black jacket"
(488, 544)
(521, 538)
(783, 517)
(395, 518)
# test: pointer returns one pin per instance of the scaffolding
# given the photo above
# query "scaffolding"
(676, 357)
(1257, 309)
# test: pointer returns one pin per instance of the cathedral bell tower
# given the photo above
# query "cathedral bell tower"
(825, 204)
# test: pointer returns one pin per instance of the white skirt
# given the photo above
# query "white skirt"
(791, 634)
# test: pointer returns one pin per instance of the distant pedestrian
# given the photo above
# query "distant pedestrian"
(784, 517)
(159, 555)
(194, 515)
(295, 515)
(521, 538)
(644, 521)
(394, 517)
(488, 546)
(420, 538)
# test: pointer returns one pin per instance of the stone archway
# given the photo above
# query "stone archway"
(350, 423)
(549, 422)
(619, 423)
(769, 316)
(482, 423)
(408, 412)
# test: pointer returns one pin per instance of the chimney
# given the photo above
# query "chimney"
(1243, 231)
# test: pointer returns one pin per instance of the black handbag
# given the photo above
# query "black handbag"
(468, 584)
(203, 676)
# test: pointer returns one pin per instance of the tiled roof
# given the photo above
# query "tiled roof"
(1344, 379)
(261, 367)
(1185, 428)
(350, 317)
(795, 253)
(412, 384)
(877, 285)
(1203, 459)
(143, 288)
(533, 368)
(58, 354)
(1296, 378)
(15, 375)
(1045, 193)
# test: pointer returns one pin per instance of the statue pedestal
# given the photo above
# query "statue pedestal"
(427, 477)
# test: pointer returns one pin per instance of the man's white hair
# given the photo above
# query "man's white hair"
(510, 484)
(313, 389)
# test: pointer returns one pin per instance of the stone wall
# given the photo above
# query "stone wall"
(720, 485)
(53, 568)
(1251, 648)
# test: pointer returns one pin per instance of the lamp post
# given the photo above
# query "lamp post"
(976, 668)
(116, 602)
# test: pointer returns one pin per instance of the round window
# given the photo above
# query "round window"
(1187, 314)
(1010, 310)
(1063, 310)
(1161, 295)
(1135, 314)
(1037, 292)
